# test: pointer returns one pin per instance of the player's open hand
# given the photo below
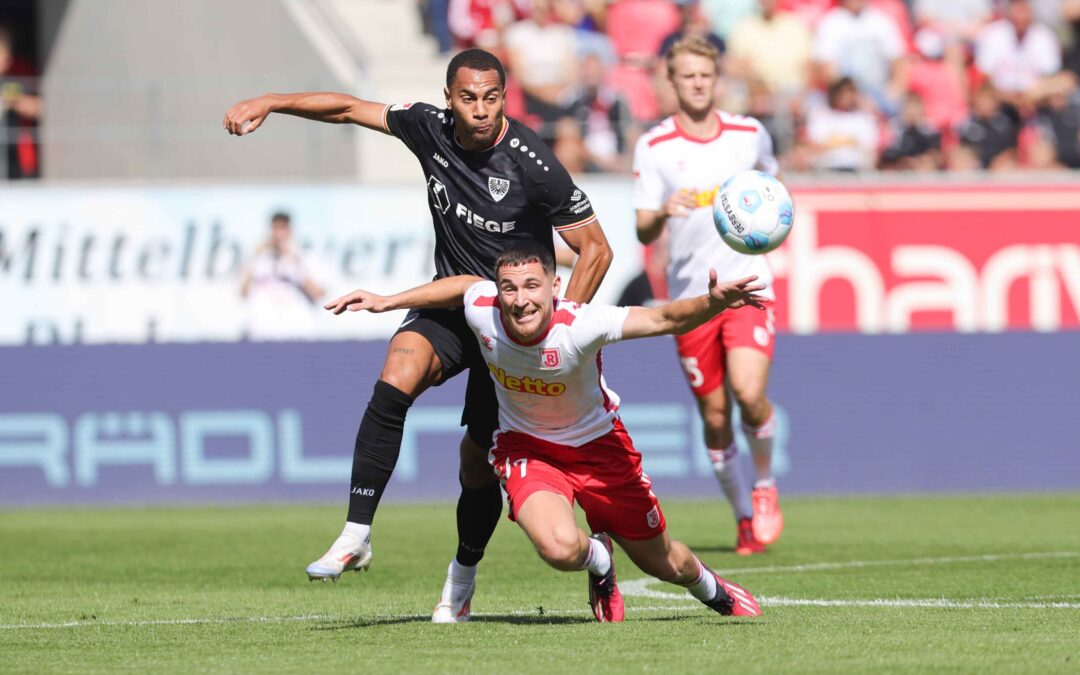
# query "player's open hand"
(735, 294)
(246, 116)
(358, 301)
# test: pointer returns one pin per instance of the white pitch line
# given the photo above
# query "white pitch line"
(855, 564)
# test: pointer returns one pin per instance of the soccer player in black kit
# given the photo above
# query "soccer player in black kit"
(491, 181)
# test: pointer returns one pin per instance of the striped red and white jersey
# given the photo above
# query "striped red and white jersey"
(666, 160)
(552, 388)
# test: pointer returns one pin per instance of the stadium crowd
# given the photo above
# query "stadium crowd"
(842, 85)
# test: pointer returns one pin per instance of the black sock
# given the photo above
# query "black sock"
(478, 513)
(378, 443)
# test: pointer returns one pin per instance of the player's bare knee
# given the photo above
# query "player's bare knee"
(560, 549)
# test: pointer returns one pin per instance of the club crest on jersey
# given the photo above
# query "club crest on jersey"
(549, 358)
(498, 187)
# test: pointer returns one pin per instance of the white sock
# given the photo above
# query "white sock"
(459, 573)
(704, 588)
(731, 480)
(598, 561)
(760, 439)
(459, 581)
(361, 533)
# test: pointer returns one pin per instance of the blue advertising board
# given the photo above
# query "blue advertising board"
(234, 422)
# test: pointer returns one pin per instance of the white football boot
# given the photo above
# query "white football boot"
(455, 604)
(347, 553)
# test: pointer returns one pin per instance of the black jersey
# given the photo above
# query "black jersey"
(481, 201)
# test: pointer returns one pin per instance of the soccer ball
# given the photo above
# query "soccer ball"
(753, 212)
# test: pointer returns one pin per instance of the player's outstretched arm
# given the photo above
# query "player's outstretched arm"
(247, 116)
(684, 315)
(594, 259)
(447, 292)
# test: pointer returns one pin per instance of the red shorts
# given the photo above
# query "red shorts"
(703, 350)
(604, 476)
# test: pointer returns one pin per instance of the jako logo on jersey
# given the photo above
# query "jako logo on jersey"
(480, 222)
(527, 385)
(487, 342)
(498, 187)
(439, 198)
(549, 358)
(438, 158)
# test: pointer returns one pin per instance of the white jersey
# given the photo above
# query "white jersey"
(552, 388)
(667, 160)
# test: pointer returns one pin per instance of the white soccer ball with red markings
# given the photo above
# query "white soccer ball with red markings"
(753, 212)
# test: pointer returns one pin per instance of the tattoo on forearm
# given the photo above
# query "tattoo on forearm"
(402, 350)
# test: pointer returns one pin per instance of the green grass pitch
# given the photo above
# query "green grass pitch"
(914, 584)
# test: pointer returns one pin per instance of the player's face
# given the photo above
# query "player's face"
(527, 298)
(694, 79)
(476, 99)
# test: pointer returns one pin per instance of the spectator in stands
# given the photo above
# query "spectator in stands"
(857, 41)
(605, 125)
(479, 23)
(916, 144)
(542, 56)
(1016, 54)
(637, 28)
(435, 16)
(953, 19)
(938, 75)
(279, 287)
(842, 137)
(1059, 131)
(724, 15)
(988, 139)
(20, 110)
(773, 46)
(589, 39)
(692, 21)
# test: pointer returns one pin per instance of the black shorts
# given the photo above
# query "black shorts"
(458, 350)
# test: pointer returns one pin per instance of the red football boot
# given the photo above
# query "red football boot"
(604, 596)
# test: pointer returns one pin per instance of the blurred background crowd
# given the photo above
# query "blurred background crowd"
(843, 85)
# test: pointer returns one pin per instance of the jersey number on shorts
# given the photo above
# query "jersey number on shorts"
(690, 365)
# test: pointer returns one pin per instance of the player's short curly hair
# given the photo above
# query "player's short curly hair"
(523, 253)
(691, 44)
(475, 59)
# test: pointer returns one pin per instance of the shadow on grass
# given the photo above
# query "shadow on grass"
(514, 619)
(710, 549)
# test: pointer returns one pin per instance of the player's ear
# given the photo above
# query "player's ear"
(556, 285)
(446, 94)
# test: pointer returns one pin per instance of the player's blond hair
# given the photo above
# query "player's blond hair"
(692, 44)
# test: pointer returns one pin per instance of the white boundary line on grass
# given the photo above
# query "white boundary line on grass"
(856, 564)
(639, 588)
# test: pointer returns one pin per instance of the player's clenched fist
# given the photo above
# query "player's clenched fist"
(246, 116)
(358, 301)
(680, 203)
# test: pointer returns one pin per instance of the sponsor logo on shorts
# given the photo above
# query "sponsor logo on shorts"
(761, 336)
(653, 517)
(526, 385)
(549, 358)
